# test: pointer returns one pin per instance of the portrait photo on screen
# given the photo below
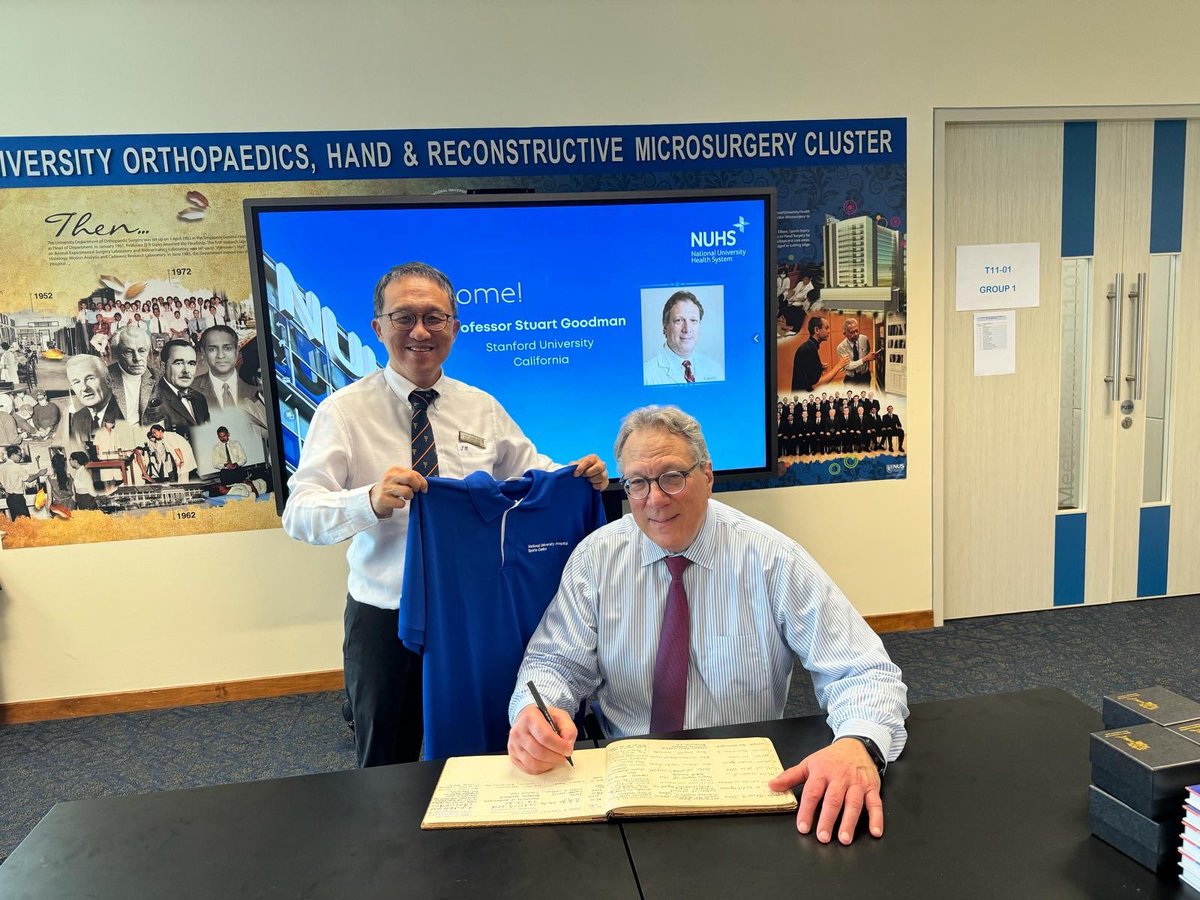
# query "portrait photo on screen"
(683, 334)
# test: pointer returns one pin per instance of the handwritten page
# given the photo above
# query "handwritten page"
(664, 775)
(490, 790)
(638, 777)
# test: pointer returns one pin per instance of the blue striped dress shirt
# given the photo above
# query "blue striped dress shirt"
(757, 601)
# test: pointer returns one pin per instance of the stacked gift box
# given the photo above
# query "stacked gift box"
(1143, 763)
(1189, 852)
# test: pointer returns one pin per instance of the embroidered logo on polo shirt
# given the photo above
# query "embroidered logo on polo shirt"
(543, 546)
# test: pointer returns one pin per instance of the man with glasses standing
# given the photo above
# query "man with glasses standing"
(369, 449)
(688, 614)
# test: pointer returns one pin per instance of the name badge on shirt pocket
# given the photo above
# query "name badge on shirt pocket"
(465, 439)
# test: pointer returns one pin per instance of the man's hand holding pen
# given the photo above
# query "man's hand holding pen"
(532, 744)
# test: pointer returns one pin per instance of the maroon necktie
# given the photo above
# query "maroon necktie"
(671, 665)
(688, 376)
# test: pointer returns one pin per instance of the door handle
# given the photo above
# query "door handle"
(1114, 338)
(1138, 295)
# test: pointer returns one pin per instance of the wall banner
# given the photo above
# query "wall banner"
(129, 400)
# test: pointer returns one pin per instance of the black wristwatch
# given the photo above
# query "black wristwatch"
(872, 750)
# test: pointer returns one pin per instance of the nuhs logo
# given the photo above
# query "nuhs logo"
(714, 238)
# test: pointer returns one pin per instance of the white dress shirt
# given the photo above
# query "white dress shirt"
(180, 446)
(755, 598)
(845, 351)
(799, 294)
(13, 477)
(666, 367)
(228, 452)
(218, 386)
(82, 479)
(362, 430)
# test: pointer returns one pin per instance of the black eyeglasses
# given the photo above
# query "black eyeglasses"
(403, 320)
(672, 482)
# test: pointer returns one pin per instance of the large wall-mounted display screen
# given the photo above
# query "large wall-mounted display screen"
(574, 309)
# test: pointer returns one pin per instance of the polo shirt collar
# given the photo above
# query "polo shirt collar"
(491, 500)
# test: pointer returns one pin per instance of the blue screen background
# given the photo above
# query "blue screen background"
(576, 261)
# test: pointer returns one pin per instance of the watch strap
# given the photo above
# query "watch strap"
(873, 751)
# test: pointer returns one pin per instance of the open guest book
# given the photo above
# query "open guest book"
(625, 779)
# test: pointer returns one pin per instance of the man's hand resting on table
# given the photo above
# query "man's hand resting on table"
(532, 744)
(840, 778)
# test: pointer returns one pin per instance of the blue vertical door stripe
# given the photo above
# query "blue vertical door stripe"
(1070, 554)
(1079, 189)
(1153, 549)
(1166, 192)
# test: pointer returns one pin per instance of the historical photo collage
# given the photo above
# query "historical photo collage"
(149, 398)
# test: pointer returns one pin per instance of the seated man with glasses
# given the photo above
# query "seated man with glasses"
(689, 614)
(369, 449)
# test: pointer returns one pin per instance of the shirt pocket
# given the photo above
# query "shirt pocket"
(473, 458)
(734, 666)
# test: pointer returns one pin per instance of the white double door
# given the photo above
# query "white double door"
(1076, 479)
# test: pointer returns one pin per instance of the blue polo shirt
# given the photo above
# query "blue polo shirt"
(484, 560)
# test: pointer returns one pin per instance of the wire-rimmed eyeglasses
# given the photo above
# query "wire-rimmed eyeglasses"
(672, 482)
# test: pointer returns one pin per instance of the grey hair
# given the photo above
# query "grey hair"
(671, 419)
(124, 335)
(85, 360)
(414, 270)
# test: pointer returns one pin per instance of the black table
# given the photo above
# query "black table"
(349, 834)
(988, 800)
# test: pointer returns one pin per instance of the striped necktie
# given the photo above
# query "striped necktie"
(669, 698)
(424, 450)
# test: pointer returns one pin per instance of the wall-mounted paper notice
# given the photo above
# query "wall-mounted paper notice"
(997, 276)
(996, 343)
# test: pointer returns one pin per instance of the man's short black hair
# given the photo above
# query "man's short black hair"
(814, 323)
(217, 328)
(415, 269)
(165, 353)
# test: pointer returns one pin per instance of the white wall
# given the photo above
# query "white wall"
(121, 616)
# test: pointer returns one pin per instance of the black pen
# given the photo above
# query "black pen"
(537, 698)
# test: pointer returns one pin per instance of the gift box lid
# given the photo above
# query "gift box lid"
(1189, 730)
(1149, 704)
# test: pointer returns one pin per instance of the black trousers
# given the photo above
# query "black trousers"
(17, 506)
(383, 681)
